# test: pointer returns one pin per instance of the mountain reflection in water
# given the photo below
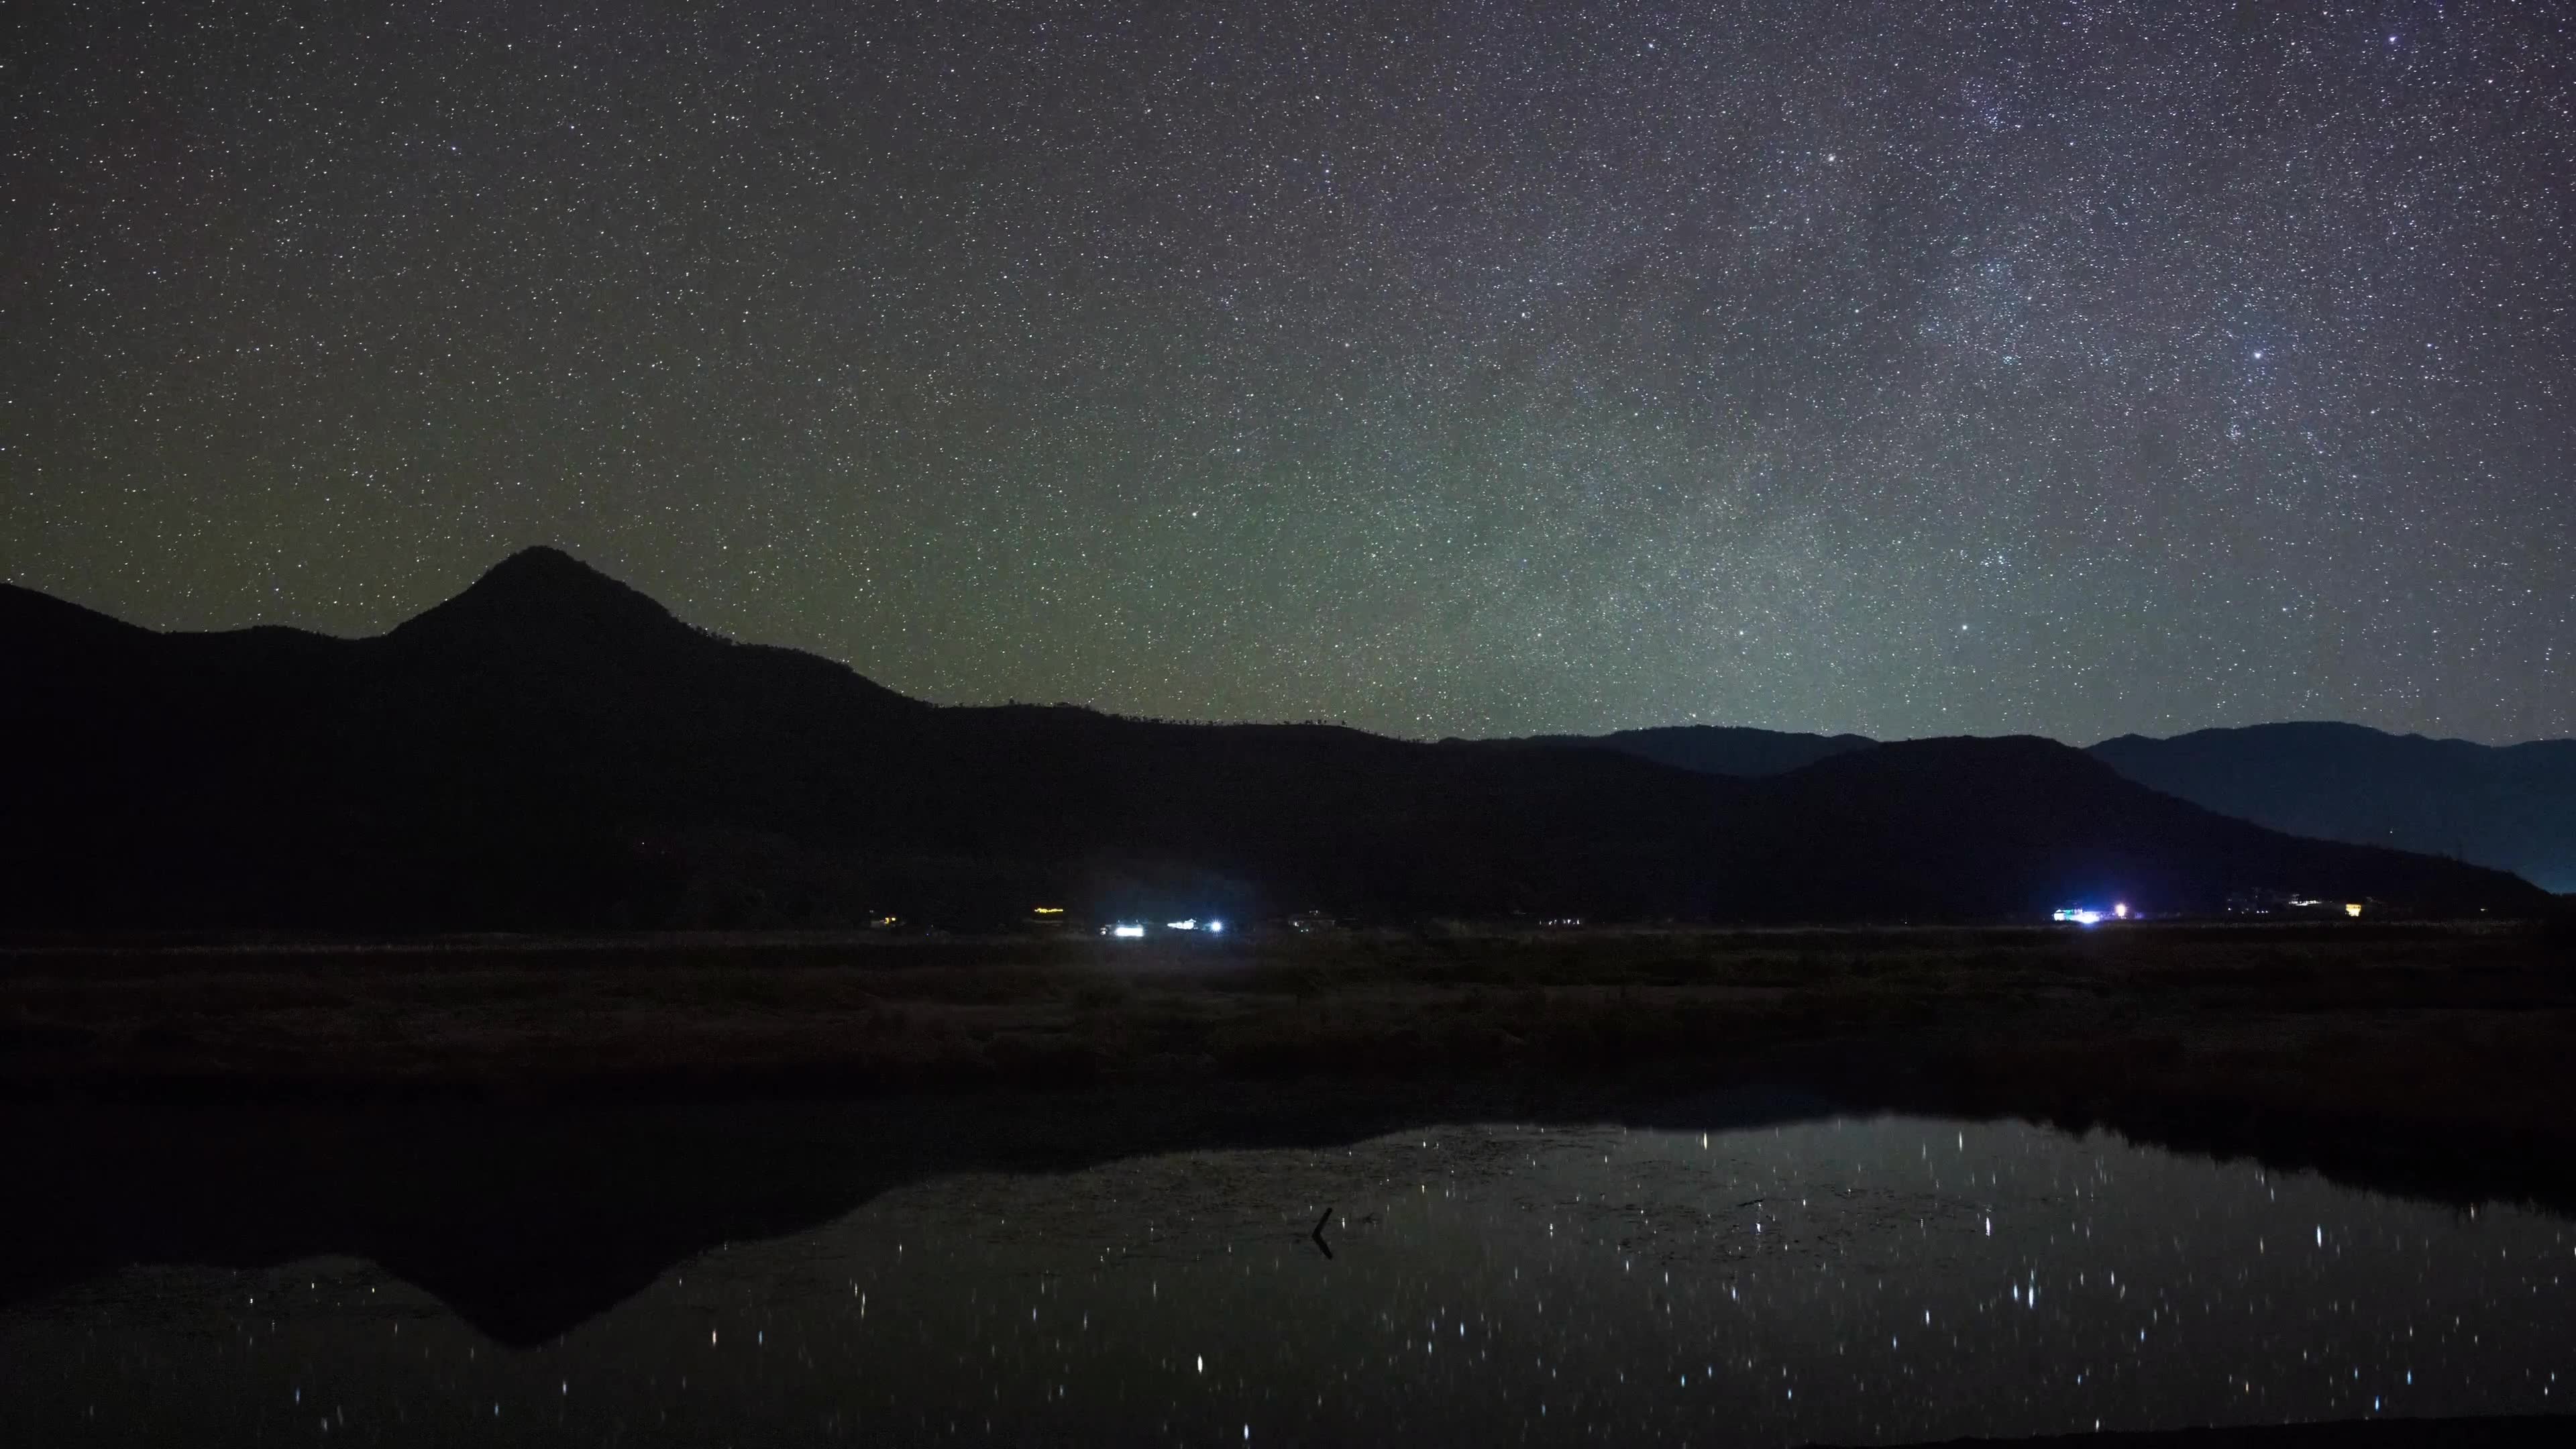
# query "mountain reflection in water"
(1853, 1280)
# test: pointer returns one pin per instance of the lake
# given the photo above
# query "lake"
(1848, 1280)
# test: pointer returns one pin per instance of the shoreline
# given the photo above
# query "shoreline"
(2434, 1060)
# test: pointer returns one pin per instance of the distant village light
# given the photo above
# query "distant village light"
(1127, 930)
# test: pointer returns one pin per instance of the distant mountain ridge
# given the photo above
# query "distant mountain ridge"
(1738, 750)
(2509, 807)
(551, 748)
(2512, 807)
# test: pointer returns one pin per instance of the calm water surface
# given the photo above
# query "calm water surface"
(1862, 1281)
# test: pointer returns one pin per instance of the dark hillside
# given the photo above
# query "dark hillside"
(1971, 828)
(552, 748)
(2512, 807)
(1737, 750)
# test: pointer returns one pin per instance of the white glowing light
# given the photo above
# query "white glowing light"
(1216, 928)
(2121, 910)
(2077, 915)
(1191, 924)
(1126, 930)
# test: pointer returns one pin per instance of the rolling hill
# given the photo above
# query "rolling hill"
(554, 749)
(1737, 750)
(2510, 807)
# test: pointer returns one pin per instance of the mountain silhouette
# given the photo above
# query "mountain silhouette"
(551, 748)
(1997, 828)
(1722, 749)
(2512, 807)
(543, 588)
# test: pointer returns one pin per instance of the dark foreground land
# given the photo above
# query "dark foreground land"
(2435, 1056)
(533, 1130)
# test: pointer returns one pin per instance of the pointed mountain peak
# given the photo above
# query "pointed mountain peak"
(544, 593)
(547, 571)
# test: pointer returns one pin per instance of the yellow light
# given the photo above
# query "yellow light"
(1049, 910)
(2352, 908)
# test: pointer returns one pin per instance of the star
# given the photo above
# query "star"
(1441, 375)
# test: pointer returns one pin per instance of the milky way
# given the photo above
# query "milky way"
(1908, 368)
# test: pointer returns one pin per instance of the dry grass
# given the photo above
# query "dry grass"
(803, 1010)
(2424, 1051)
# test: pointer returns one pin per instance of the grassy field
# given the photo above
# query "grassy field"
(2446, 1053)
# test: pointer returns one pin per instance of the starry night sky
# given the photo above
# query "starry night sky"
(1901, 367)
